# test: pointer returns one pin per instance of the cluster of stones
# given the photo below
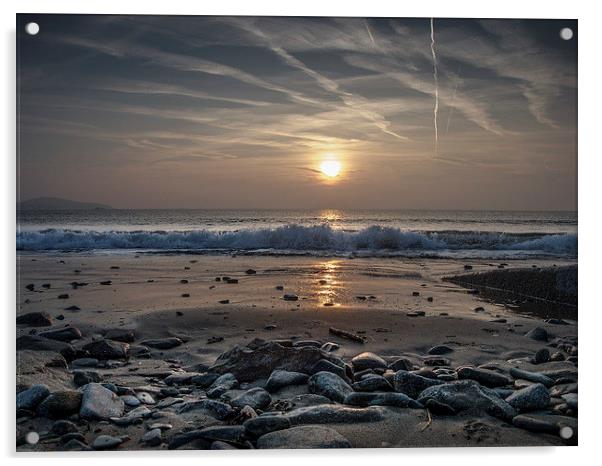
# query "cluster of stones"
(235, 403)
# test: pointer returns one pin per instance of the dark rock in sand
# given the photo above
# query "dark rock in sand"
(100, 403)
(531, 376)
(37, 343)
(106, 442)
(401, 364)
(221, 385)
(182, 378)
(468, 395)
(436, 361)
(416, 314)
(74, 445)
(437, 407)
(256, 398)
(35, 319)
(63, 296)
(264, 424)
(290, 297)
(250, 272)
(30, 286)
(303, 437)
(107, 349)
(66, 334)
(72, 308)
(217, 409)
(530, 398)
(381, 399)
(62, 427)
(29, 399)
(308, 399)
(412, 384)
(163, 343)
(538, 334)
(440, 349)
(233, 434)
(368, 360)
(485, 377)
(84, 362)
(121, 334)
(571, 400)
(373, 383)
(61, 404)
(541, 356)
(152, 438)
(329, 385)
(205, 379)
(546, 423)
(260, 358)
(81, 378)
(279, 379)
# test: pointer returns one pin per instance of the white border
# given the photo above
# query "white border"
(590, 171)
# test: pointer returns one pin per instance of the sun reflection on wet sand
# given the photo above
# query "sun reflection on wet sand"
(329, 285)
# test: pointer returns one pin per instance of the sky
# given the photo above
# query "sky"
(240, 112)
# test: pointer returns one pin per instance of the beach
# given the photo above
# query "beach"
(192, 308)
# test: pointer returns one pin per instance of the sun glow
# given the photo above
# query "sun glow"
(330, 168)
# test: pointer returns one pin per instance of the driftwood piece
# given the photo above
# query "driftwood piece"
(345, 334)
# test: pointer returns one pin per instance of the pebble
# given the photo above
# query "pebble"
(104, 442)
(367, 360)
(372, 383)
(145, 398)
(256, 398)
(381, 399)
(535, 377)
(412, 384)
(32, 397)
(485, 377)
(100, 403)
(131, 400)
(81, 378)
(279, 379)
(324, 365)
(152, 437)
(335, 414)
(264, 424)
(61, 404)
(303, 437)
(221, 385)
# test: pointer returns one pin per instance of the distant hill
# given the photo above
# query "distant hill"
(56, 203)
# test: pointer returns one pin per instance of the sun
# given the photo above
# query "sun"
(330, 168)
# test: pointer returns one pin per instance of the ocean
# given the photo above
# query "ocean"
(344, 233)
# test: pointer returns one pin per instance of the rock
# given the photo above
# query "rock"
(262, 425)
(107, 349)
(279, 379)
(541, 356)
(260, 358)
(250, 272)
(329, 347)
(205, 379)
(381, 399)
(374, 383)
(145, 398)
(412, 384)
(223, 433)
(256, 398)
(531, 376)
(75, 445)
(219, 445)
(303, 437)
(105, 442)
(538, 334)
(416, 314)
(37, 343)
(485, 377)
(401, 364)
(217, 409)
(556, 322)
(66, 334)
(368, 360)
(163, 343)
(61, 404)
(329, 385)
(546, 423)
(290, 297)
(437, 407)
(100, 403)
(135, 416)
(181, 378)
(571, 400)
(563, 389)
(30, 287)
(308, 399)
(152, 438)
(35, 319)
(530, 398)
(85, 377)
(131, 400)
(440, 349)
(84, 362)
(335, 414)
(63, 296)
(324, 365)
(221, 385)
(62, 427)
(29, 399)
(121, 334)
(436, 361)
(312, 343)
(185, 438)
(468, 395)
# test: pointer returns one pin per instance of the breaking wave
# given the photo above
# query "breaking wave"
(296, 239)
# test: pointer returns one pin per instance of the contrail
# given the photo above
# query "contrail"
(369, 32)
(436, 78)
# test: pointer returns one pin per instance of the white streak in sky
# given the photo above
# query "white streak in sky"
(451, 107)
(436, 78)
(369, 32)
